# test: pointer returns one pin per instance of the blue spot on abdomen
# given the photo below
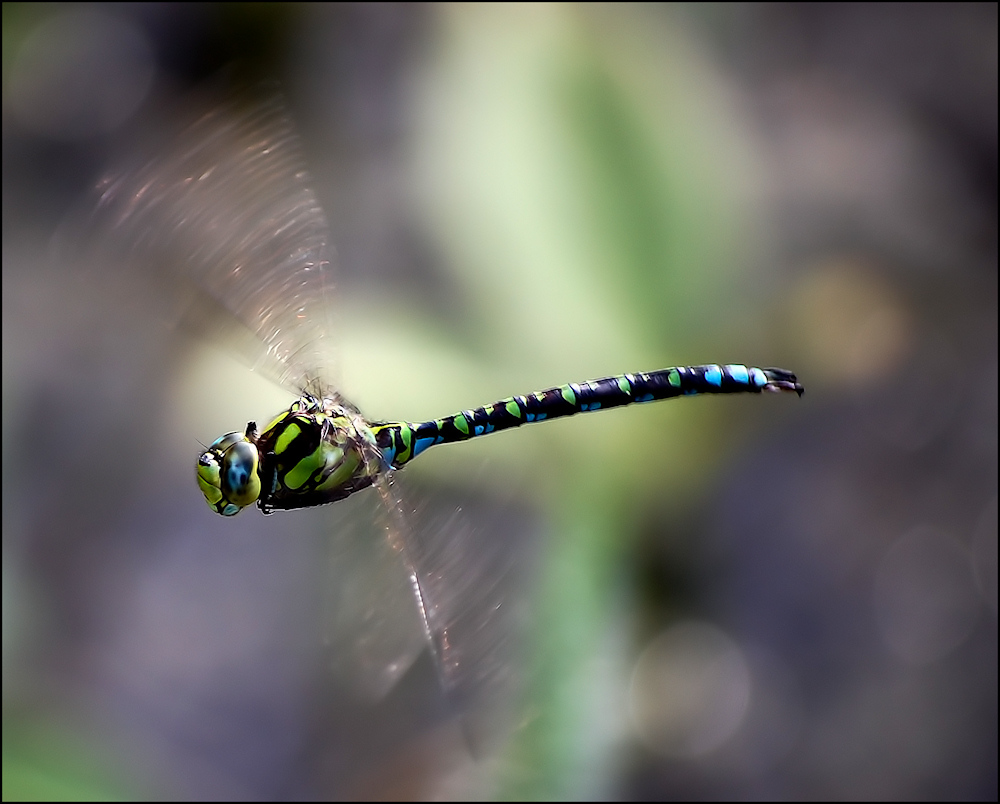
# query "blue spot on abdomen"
(739, 373)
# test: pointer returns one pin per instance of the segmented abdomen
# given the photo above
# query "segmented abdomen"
(401, 442)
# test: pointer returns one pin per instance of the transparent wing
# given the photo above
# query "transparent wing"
(466, 571)
(461, 572)
(373, 628)
(226, 212)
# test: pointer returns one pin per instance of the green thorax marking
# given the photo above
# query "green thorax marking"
(315, 452)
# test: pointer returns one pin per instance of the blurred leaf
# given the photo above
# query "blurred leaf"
(44, 761)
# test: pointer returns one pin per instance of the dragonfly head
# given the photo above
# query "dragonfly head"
(227, 474)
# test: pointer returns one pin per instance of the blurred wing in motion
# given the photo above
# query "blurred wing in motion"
(224, 213)
(466, 573)
(374, 630)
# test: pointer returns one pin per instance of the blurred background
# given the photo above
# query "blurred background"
(711, 598)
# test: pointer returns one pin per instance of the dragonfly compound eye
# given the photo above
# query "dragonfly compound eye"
(227, 474)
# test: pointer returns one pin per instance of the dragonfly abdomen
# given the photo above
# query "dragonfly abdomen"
(401, 442)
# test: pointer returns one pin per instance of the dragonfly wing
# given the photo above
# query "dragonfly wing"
(464, 574)
(225, 211)
(374, 629)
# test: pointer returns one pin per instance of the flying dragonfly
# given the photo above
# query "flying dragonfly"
(226, 206)
(321, 450)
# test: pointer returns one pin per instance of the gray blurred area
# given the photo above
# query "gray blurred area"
(700, 599)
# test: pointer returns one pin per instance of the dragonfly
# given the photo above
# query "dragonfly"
(226, 209)
(321, 450)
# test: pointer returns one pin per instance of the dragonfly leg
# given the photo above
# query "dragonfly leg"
(268, 480)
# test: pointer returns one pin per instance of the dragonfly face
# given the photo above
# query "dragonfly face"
(228, 473)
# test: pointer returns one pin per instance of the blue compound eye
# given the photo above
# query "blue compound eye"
(240, 482)
(227, 474)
